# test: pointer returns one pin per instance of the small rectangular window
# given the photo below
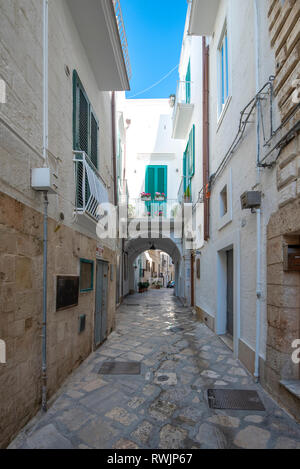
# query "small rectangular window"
(223, 67)
(223, 202)
(86, 275)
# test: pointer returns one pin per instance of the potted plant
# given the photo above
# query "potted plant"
(160, 196)
(146, 197)
(187, 195)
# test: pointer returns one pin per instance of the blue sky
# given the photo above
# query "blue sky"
(154, 30)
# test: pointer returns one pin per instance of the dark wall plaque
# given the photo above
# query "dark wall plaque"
(67, 291)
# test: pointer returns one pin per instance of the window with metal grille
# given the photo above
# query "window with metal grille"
(85, 122)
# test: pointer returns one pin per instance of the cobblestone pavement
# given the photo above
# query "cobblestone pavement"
(146, 411)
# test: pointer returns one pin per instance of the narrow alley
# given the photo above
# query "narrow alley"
(165, 406)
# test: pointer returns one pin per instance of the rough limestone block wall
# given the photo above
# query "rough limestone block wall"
(21, 311)
(283, 307)
(284, 226)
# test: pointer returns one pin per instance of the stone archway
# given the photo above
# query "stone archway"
(136, 246)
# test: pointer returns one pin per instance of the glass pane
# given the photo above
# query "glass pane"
(226, 64)
(223, 75)
(86, 275)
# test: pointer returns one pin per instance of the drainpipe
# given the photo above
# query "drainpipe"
(113, 117)
(44, 333)
(258, 293)
(45, 154)
(257, 79)
(205, 71)
(192, 280)
(258, 211)
(45, 80)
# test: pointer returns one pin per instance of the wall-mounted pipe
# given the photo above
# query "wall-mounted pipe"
(258, 292)
(114, 146)
(257, 80)
(45, 155)
(44, 325)
(45, 79)
(258, 211)
(205, 110)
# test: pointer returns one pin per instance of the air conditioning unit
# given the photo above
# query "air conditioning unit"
(251, 199)
(43, 179)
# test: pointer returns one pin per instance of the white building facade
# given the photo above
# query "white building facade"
(226, 100)
(153, 168)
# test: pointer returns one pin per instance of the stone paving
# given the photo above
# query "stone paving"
(166, 405)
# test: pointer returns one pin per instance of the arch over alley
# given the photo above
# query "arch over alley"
(136, 246)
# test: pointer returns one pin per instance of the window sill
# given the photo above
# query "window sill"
(224, 221)
(222, 115)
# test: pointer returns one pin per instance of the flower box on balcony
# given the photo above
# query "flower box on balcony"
(160, 197)
(146, 197)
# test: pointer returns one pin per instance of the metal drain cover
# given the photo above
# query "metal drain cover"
(163, 378)
(175, 329)
(235, 399)
(120, 368)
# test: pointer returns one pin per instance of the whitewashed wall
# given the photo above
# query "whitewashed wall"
(149, 142)
(21, 65)
(240, 174)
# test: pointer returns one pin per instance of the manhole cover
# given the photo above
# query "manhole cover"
(236, 399)
(175, 329)
(120, 368)
(163, 378)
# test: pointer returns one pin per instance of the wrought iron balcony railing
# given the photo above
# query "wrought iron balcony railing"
(183, 93)
(90, 188)
(138, 208)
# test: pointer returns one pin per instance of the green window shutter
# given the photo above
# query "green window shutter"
(188, 83)
(156, 179)
(83, 127)
(150, 180)
(189, 161)
(191, 153)
(85, 122)
(160, 180)
(94, 140)
(184, 172)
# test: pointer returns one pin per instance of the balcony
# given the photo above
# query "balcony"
(182, 196)
(183, 110)
(139, 209)
(91, 190)
(101, 29)
(203, 17)
(123, 193)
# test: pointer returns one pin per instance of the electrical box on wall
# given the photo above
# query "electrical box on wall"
(251, 199)
(43, 179)
(291, 258)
